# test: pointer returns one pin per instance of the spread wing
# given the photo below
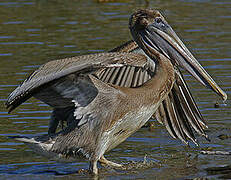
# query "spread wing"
(178, 112)
(58, 82)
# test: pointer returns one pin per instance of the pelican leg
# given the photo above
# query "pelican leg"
(104, 161)
(93, 167)
(53, 124)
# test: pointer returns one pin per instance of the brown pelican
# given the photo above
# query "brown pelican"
(114, 94)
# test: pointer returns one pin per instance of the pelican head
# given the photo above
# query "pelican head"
(154, 35)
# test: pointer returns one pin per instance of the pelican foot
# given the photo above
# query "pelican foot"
(104, 162)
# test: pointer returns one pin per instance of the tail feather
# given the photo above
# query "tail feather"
(24, 139)
(42, 145)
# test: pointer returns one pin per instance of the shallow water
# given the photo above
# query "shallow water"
(34, 32)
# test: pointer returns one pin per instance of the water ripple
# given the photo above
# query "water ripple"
(21, 43)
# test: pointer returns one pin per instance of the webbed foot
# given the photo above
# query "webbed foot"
(104, 161)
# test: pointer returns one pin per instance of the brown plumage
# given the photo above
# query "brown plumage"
(107, 97)
(184, 106)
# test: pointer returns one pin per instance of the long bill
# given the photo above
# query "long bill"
(169, 44)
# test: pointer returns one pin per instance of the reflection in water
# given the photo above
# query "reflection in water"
(34, 32)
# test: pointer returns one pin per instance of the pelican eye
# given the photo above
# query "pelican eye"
(158, 20)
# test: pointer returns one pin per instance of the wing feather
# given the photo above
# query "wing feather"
(164, 117)
(125, 76)
(130, 77)
(114, 76)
